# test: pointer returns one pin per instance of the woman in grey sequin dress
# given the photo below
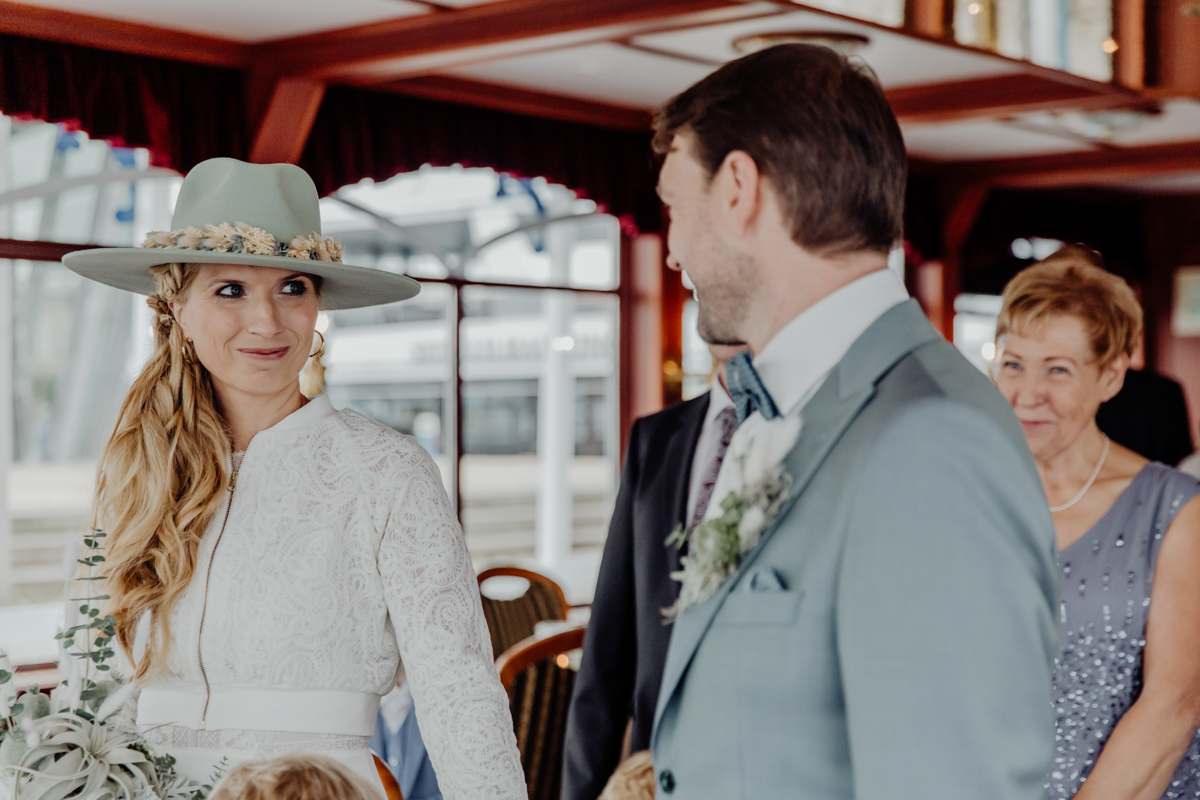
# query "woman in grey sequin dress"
(1127, 674)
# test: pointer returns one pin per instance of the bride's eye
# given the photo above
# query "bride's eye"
(296, 288)
(231, 290)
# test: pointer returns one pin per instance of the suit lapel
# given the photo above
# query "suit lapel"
(678, 457)
(825, 418)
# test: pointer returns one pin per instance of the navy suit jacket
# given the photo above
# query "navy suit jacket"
(626, 643)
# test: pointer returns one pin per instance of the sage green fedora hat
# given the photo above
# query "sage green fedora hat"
(260, 215)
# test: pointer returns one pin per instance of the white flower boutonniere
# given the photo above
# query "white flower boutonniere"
(755, 484)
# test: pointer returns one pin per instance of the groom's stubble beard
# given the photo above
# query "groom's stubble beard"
(726, 298)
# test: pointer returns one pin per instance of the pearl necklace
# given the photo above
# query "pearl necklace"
(1086, 486)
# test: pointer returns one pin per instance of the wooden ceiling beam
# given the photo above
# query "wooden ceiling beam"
(1002, 95)
(521, 101)
(344, 53)
(287, 121)
(1076, 169)
(39, 251)
(54, 25)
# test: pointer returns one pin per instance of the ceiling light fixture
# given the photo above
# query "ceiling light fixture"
(975, 9)
(841, 41)
(1109, 46)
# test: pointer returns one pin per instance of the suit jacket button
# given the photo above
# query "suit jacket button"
(666, 779)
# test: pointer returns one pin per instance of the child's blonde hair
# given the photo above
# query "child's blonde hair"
(300, 776)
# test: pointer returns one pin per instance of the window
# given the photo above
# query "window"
(504, 367)
(519, 281)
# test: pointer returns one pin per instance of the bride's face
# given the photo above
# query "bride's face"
(252, 327)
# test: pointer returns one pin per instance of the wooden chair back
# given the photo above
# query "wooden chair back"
(512, 621)
(539, 679)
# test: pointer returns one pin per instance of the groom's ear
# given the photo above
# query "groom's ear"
(739, 185)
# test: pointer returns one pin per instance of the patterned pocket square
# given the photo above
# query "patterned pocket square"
(764, 579)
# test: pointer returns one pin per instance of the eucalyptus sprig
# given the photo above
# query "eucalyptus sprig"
(91, 641)
(49, 742)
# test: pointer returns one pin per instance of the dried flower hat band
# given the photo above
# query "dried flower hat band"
(258, 215)
(243, 238)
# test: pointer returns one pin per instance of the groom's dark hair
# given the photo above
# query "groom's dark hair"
(818, 127)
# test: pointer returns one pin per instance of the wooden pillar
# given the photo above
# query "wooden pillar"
(1129, 32)
(641, 328)
(1177, 29)
(674, 296)
(7, 343)
(964, 204)
(932, 18)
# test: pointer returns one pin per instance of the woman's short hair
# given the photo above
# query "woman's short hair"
(299, 776)
(1073, 282)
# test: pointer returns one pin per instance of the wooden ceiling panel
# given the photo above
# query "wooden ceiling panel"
(606, 73)
(370, 48)
(897, 58)
(239, 20)
(55, 25)
(521, 101)
(973, 140)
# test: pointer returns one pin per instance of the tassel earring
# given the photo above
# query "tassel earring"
(312, 377)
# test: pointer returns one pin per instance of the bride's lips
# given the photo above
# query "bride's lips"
(265, 353)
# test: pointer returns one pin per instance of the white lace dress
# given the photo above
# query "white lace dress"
(341, 551)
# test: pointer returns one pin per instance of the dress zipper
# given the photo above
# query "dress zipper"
(233, 475)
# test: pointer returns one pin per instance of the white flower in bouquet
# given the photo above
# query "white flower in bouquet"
(755, 485)
(750, 526)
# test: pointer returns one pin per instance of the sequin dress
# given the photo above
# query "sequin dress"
(1105, 578)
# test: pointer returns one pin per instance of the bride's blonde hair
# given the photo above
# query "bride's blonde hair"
(161, 477)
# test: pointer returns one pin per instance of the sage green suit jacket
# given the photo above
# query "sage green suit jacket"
(909, 653)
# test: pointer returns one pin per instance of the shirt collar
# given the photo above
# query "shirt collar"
(309, 414)
(797, 359)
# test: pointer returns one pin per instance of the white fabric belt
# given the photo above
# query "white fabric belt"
(259, 708)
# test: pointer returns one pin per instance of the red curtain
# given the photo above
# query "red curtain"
(361, 133)
(184, 113)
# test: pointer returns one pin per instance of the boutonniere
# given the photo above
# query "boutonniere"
(755, 484)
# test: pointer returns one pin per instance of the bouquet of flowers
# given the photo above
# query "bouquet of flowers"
(71, 743)
(755, 485)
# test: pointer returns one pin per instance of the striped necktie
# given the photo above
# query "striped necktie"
(726, 422)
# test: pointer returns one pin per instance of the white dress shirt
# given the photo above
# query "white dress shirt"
(794, 365)
(707, 445)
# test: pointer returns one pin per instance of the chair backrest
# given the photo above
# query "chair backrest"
(390, 785)
(512, 621)
(539, 678)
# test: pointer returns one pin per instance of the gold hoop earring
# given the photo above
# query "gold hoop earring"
(321, 348)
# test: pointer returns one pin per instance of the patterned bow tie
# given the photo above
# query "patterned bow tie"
(746, 389)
